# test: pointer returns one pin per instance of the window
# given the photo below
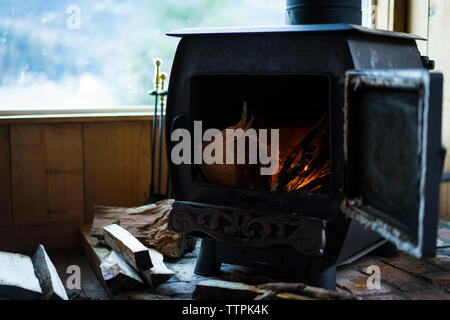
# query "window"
(85, 54)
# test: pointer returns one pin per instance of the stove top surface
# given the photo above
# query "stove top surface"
(289, 29)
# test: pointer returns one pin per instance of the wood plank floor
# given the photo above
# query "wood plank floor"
(403, 278)
(90, 288)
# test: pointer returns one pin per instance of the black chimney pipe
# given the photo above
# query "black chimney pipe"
(323, 11)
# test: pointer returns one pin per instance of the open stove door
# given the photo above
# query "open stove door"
(394, 156)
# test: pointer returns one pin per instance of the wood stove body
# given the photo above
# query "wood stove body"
(287, 74)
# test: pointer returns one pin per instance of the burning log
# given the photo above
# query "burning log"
(307, 162)
(314, 185)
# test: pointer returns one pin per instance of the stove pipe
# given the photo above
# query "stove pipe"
(323, 11)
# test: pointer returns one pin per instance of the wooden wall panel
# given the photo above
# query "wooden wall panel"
(47, 172)
(24, 237)
(5, 175)
(117, 164)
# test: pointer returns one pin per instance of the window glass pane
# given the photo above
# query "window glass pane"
(85, 53)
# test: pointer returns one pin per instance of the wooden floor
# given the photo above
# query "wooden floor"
(402, 277)
(90, 287)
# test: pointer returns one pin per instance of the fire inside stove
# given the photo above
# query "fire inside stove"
(296, 105)
(304, 164)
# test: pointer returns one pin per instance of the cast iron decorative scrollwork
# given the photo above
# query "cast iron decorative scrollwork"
(249, 228)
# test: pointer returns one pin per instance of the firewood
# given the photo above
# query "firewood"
(94, 251)
(302, 289)
(136, 221)
(128, 247)
(304, 155)
(159, 273)
(271, 295)
(230, 175)
(225, 290)
(148, 224)
(170, 244)
(314, 185)
(118, 275)
(51, 285)
(17, 277)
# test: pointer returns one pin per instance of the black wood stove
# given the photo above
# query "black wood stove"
(378, 165)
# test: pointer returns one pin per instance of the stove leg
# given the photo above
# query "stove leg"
(206, 263)
(322, 274)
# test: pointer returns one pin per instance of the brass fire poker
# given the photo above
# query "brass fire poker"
(161, 123)
(158, 78)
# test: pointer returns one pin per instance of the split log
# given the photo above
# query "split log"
(51, 285)
(148, 224)
(270, 295)
(225, 290)
(302, 289)
(94, 251)
(292, 296)
(231, 175)
(159, 273)
(119, 276)
(136, 221)
(168, 243)
(128, 247)
(17, 278)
